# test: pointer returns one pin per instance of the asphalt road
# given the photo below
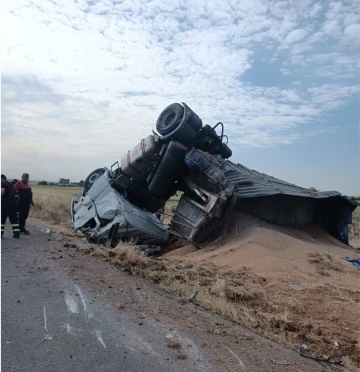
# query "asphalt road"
(63, 311)
(50, 323)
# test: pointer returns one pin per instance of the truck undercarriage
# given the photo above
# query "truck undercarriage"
(123, 202)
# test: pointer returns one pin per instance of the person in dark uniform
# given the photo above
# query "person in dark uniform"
(8, 207)
(16, 194)
(25, 200)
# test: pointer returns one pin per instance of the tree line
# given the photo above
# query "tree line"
(74, 184)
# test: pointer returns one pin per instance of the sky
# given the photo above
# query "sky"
(83, 81)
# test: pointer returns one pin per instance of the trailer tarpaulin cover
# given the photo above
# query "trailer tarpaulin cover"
(276, 201)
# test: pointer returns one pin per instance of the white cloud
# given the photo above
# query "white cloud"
(353, 32)
(102, 71)
(315, 10)
(295, 35)
(332, 28)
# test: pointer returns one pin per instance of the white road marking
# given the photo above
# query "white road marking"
(98, 335)
(88, 314)
(68, 328)
(242, 365)
(72, 330)
(82, 299)
(99, 320)
(138, 342)
(45, 320)
(71, 303)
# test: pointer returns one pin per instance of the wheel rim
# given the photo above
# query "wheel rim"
(168, 121)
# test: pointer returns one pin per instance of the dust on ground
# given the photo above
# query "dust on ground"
(253, 265)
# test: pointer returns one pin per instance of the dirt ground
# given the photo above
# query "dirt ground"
(255, 263)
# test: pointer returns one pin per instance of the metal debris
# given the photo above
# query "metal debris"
(183, 266)
(296, 287)
(273, 361)
(193, 296)
(47, 337)
(149, 250)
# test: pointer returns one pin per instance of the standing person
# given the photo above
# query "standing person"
(13, 183)
(8, 207)
(25, 199)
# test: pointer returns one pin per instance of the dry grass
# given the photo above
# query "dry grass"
(349, 365)
(355, 229)
(52, 203)
(324, 263)
(181, 357)
(288, 306)
(240, 296)
(174, 345)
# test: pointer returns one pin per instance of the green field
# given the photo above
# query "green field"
(55, 191)
(356, 215)
(52, 203)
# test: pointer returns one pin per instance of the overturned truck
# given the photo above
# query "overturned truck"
(123, 202)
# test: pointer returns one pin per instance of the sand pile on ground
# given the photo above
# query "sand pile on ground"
(271, 251)
(190, 248)
(323, 315)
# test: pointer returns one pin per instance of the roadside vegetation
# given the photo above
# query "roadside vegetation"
(52, 203)
(355, 228)
(248, 299)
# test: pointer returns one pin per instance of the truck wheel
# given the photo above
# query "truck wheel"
(170, 118)
(92, 177)
(178, 123)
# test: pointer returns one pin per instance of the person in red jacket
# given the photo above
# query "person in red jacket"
(25, 200)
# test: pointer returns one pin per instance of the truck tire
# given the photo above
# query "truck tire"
(178, 123)
(92, 177)
(170, 118)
